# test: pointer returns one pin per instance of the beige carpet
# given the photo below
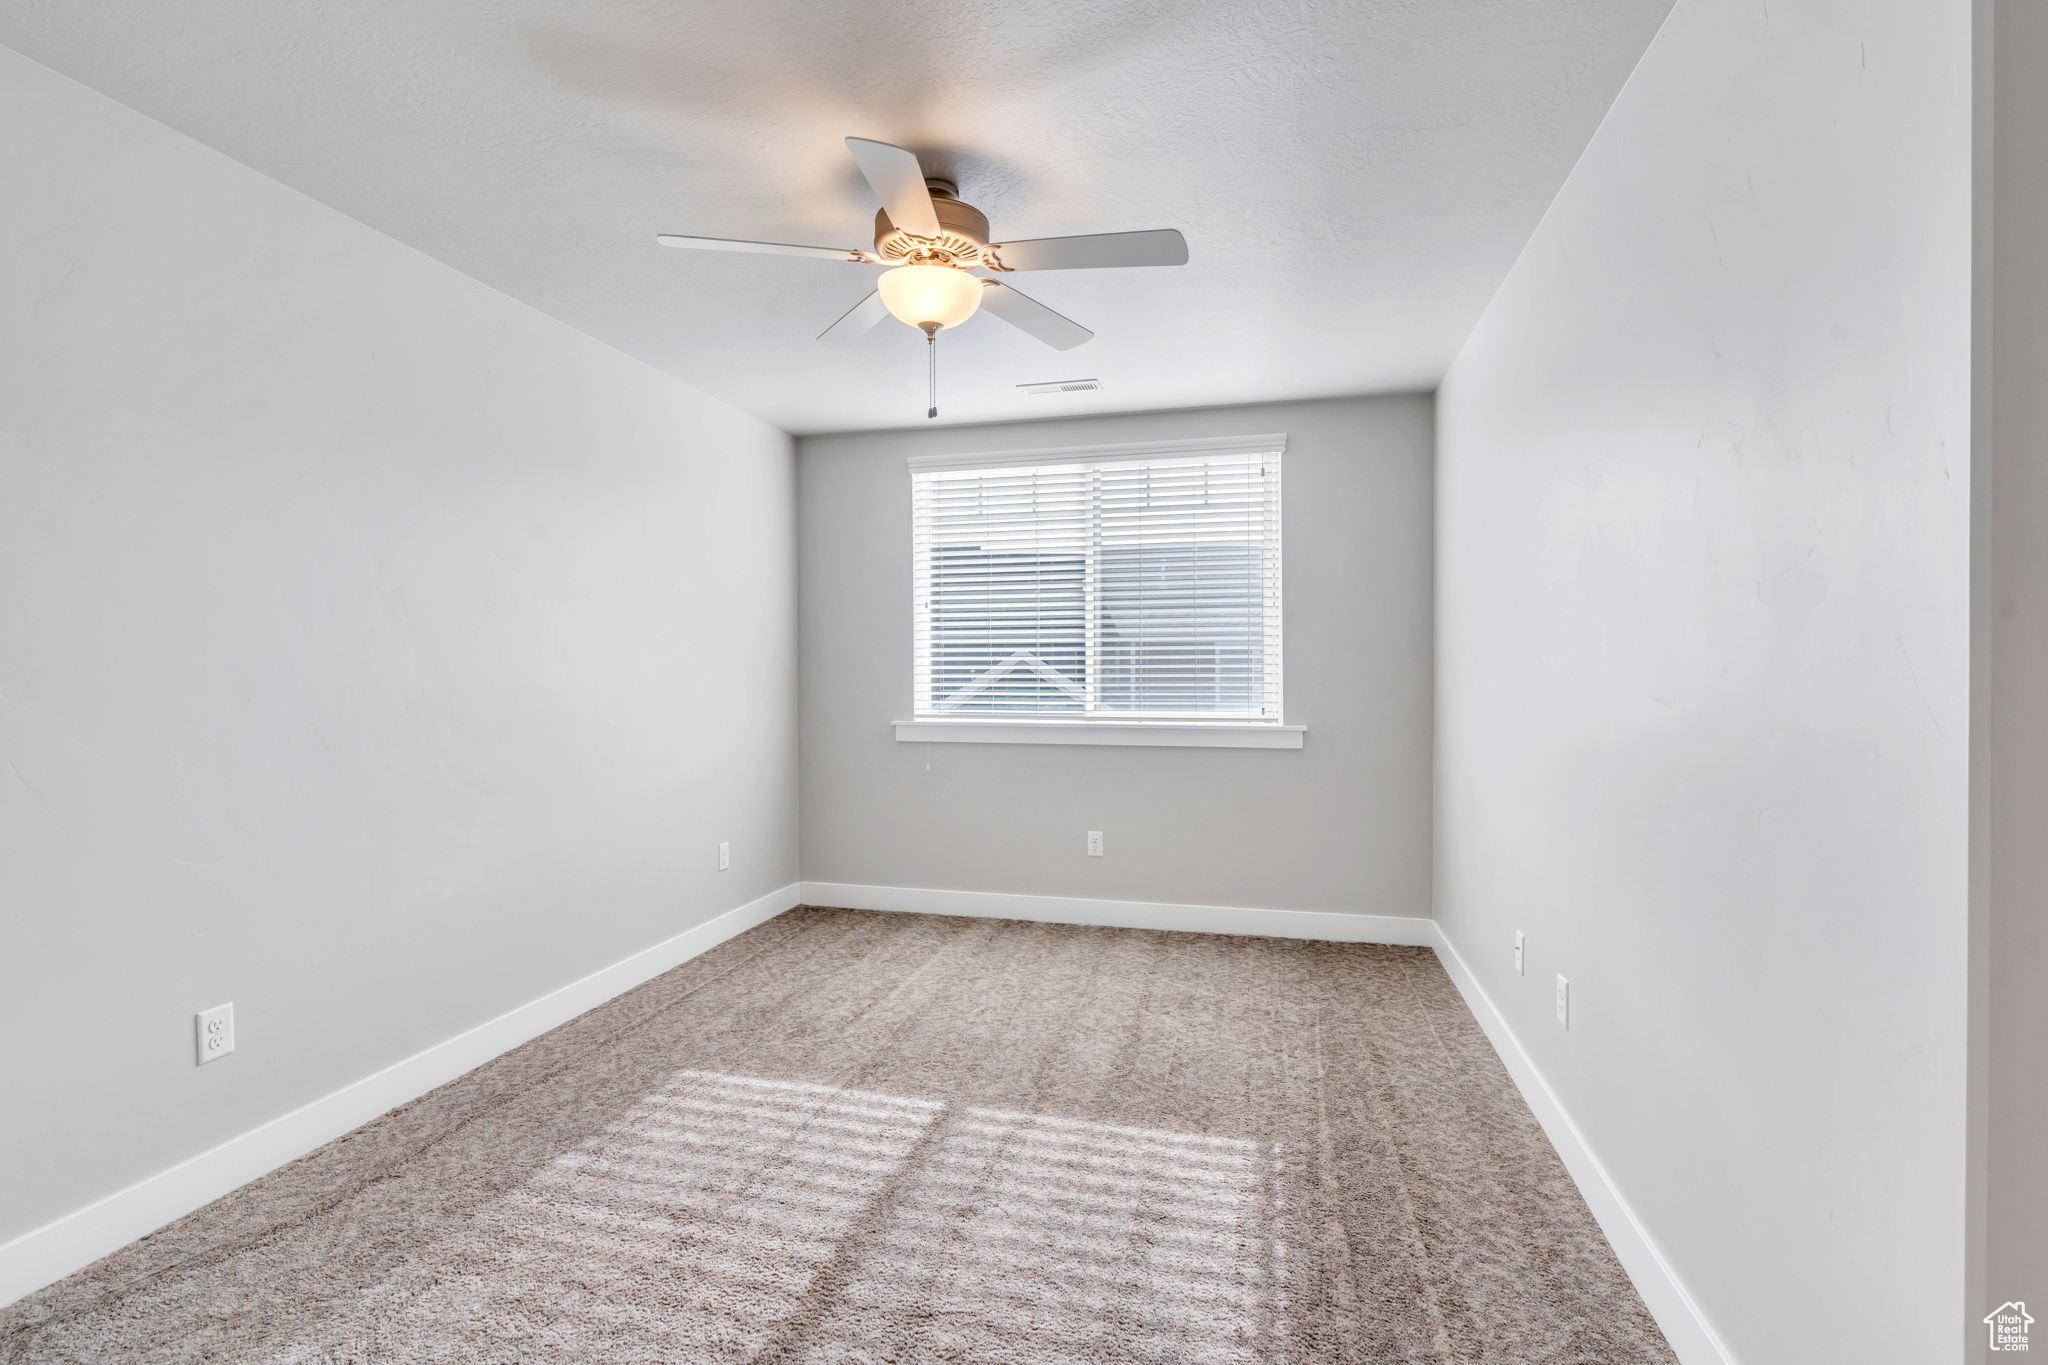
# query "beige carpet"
(850, 1138)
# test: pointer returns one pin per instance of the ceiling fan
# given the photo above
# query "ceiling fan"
(931, 241)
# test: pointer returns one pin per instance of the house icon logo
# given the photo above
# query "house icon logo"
(2008, 1325)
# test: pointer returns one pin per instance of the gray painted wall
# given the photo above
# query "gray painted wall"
(2010, 729)
(377, 653)
(1341, 824)
(1703, 497)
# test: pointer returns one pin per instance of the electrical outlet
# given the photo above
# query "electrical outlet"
(1095, 843)
(724, 856)
(1564, 1002)
(214, 1033)
(1518, 952)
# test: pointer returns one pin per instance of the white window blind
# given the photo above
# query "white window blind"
(1121, 585)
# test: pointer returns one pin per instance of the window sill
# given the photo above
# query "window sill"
(1043, 732)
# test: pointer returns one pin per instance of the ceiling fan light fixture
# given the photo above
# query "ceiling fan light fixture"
(932, 240)
(929, 296)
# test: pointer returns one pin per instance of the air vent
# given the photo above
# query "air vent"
(1063, 386)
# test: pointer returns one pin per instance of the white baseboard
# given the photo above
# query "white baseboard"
(1692, 1338)
(55, 1250)
(1407, 930)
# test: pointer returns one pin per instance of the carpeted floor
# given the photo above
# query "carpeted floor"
(847, 1138)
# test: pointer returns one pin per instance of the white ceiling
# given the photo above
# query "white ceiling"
(1353, 177)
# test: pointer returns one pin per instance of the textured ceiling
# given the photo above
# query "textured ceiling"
(1353, 176)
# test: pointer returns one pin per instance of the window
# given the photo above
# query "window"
(1110, 586)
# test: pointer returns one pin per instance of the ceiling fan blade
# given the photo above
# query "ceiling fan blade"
(1161, 246)
(898, 182)
(1027, 314)
(825, 253)
(858, 320)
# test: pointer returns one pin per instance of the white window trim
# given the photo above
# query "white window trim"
(1125, 450)
(1207, 735)
(1231, 734)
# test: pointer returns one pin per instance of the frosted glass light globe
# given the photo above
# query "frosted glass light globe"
(930, 295)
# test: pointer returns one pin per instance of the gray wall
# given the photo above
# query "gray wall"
(1341, 824)
(377, 653)
(1703, 496)
(2010, 729)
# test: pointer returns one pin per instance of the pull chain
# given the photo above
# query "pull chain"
(931, 370)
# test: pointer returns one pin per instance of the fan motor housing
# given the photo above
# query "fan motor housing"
(962, 239)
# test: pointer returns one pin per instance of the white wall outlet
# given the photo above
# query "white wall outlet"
(214, 1032)
(1564, 1002)
(724, 855)
(1095, 843)
(1518, 952)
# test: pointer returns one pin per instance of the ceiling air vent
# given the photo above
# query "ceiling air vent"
(1063, 386)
